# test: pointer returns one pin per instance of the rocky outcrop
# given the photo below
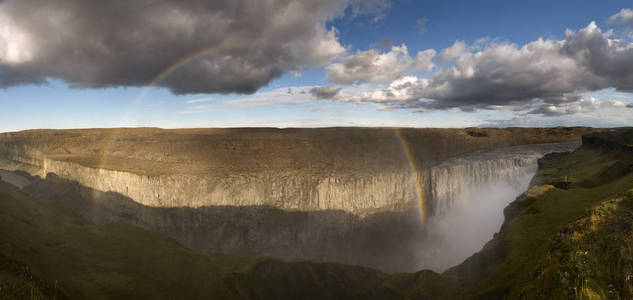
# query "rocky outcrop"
(611, 139)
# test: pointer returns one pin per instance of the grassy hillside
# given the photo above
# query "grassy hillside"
(115, 260)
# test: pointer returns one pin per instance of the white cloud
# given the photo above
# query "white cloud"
(454, 51)
(604, 117)
(281, 96)
(199, 100)
(16, 45)
(584, 105)
(625, 16)
(400, 90)
(202, 109)
(508, 76)
(373, 66)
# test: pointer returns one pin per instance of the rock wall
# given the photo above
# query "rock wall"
(359, 194)
(453, 178)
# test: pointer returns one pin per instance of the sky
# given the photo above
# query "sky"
(280, 63)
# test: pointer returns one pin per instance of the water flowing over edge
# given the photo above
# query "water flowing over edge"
(469, 194)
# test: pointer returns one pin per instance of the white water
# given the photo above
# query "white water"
(470, 193)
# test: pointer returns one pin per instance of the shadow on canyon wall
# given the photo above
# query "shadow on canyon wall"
(391, 241)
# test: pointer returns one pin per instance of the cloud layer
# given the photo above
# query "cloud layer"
(552, 74)
(94, 44)
(238, 46)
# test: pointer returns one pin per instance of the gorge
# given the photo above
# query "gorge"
(567, 236)
(397, 204)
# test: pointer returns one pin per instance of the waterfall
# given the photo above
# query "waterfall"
(454, 181)
(469, 194)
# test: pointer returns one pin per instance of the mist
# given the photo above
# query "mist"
(473, 221)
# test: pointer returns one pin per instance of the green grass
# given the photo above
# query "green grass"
(111, 261)
(18, 282)
(591, 257)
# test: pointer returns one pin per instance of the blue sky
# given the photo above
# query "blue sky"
(360, 99)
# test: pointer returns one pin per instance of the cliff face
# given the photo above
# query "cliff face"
(360, 171)
(360, 194)
(286, 190)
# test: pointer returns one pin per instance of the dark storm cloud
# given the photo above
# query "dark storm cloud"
(554, 73)
(325, 92)
(93, 44)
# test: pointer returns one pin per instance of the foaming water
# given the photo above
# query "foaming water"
(469, 195)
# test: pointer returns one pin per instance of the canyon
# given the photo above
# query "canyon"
(386, 198)
(567, 236)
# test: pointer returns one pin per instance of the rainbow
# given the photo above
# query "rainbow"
(416, 175)
(146, 88)
(166, 72)
(175, 66)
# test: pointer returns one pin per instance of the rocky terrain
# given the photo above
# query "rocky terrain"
(568, 236)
